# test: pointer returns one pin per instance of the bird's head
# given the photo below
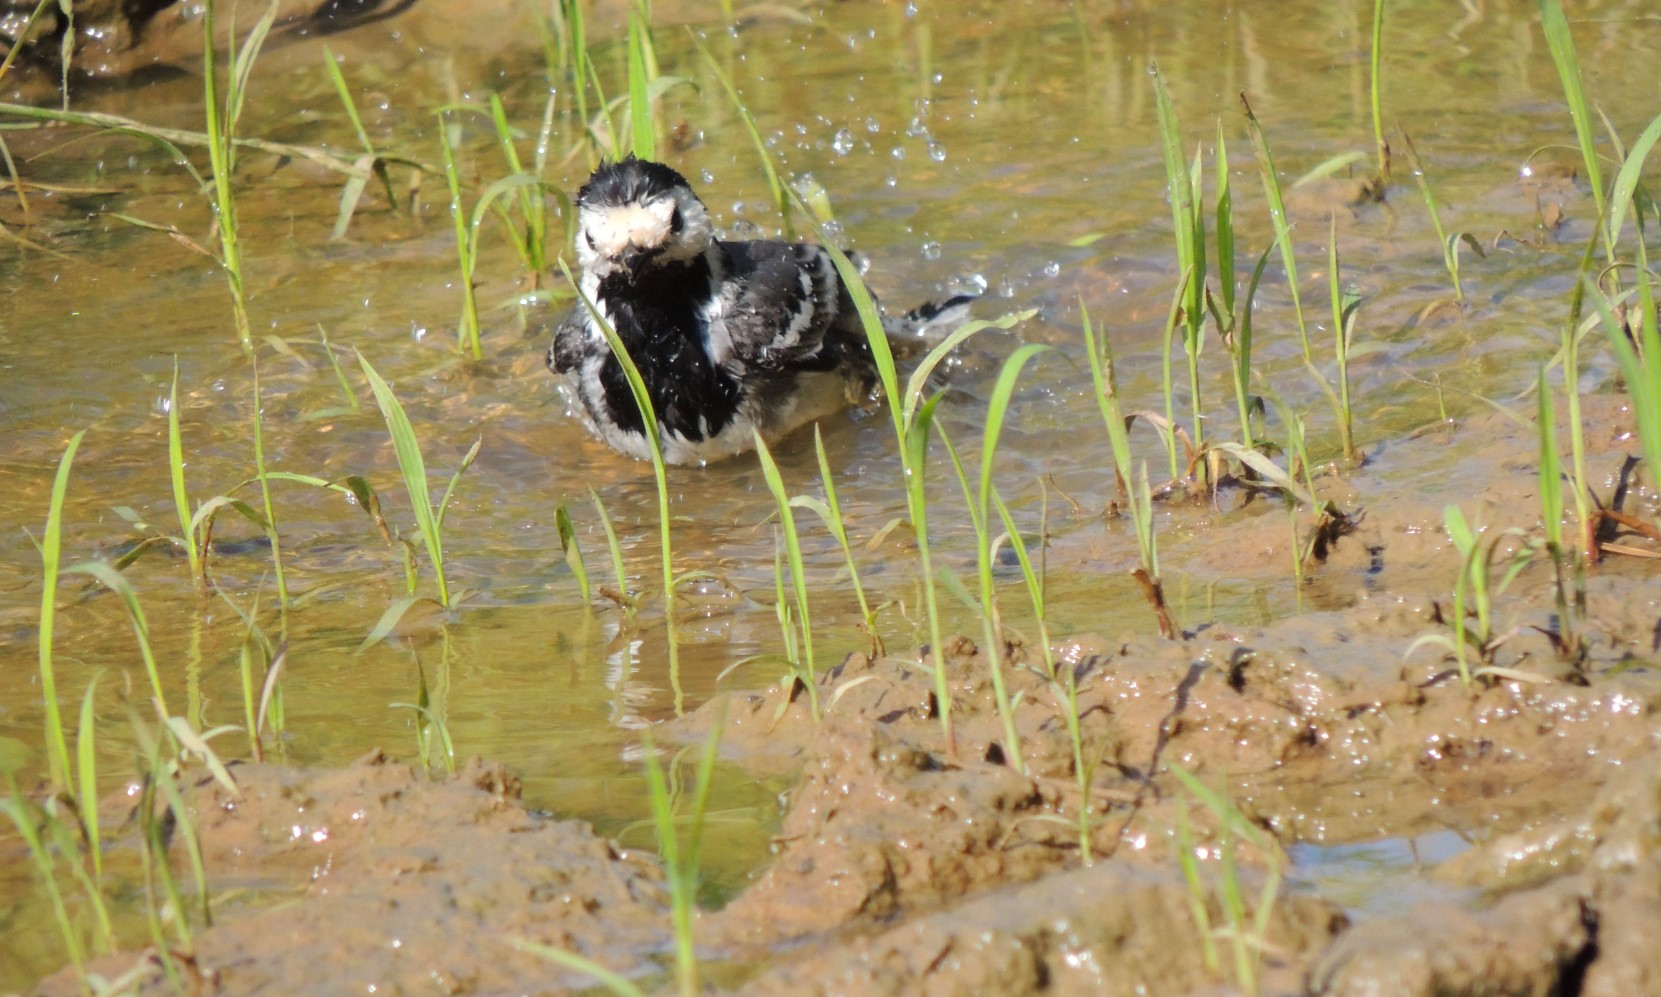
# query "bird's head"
(635, 216)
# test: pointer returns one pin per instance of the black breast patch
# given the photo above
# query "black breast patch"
(656, 317)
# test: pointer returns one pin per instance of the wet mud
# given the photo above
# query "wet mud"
(907, 863)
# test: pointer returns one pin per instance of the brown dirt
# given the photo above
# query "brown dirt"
(906, 864)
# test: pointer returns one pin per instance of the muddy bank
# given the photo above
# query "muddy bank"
(909, 863)
(903, 867)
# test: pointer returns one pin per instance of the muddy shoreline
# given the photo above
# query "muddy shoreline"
(905, 866)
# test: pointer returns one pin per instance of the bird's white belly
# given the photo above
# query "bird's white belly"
(817, 395)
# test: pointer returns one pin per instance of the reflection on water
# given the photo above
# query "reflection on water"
(1005, 146)
(1381, 878)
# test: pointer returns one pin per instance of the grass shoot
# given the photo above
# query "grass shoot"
(681, 858)
(222, 121)
(806, 673)
(51, 541)
(1139, 497)
(429, 518)
(1277, 214)
(1246, 931)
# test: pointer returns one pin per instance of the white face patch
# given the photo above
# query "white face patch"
(611, 231)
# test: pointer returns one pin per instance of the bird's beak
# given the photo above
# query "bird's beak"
(632, 258)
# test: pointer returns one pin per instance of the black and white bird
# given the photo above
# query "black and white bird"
(729, 337)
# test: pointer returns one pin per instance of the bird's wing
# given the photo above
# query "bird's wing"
(778, 301)
(570, 341)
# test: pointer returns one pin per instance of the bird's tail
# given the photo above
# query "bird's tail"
(927, 324)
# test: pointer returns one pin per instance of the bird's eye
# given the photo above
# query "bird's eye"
(676, 222)
(590, 237)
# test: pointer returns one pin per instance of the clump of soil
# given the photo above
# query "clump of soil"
(909, 862)
(373, 879)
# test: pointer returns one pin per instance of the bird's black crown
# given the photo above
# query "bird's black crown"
(629, 181)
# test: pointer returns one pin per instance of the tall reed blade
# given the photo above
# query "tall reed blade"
(57, 746)
(414, 469)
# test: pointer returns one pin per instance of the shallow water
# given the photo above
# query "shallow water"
(961, 146)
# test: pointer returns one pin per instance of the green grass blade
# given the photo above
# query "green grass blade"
(1626, 181)
(808, 674)
(832, 517)
(682, 879)
(572, 550)
(1225, 227)
(1277, 214)
(1561, 43)
(24, 820)
(570, 960)
(450, 489)
(344, 91)
(467, 332)
(642, 127)
(616, 550)
(917, 383)
(176, 467)
(86, 765)
(781, 194)
(116, 582)
(1376, 75)
(271, 533)
(414, 469)
(1551, 476)
(997, 410)
(57, 747)
(649, 430)
(242, 68)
